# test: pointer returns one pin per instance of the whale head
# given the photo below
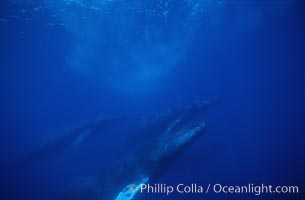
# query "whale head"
(172, 145)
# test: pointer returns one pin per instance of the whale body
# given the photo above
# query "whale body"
(68, 139)
(145, 165)
(170, 120)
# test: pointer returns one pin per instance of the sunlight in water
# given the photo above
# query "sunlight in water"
(150, 38)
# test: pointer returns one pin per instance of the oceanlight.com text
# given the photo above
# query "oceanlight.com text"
(195, 188)
(255, 189)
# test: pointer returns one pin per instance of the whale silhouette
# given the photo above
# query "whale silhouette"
(170, 120)
(68, 139)
(145, 165)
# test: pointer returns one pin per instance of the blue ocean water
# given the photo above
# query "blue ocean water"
(64, 62)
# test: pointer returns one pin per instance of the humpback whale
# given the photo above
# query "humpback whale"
(123, 182)
(68, 139)
(190, 113)
(168, 121)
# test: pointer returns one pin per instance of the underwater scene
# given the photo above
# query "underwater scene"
(152, 99)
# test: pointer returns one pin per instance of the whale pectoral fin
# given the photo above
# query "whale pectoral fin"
(79, 139)
(129, 191)
(170, 128)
